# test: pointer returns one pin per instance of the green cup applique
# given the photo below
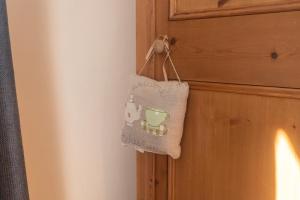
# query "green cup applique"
(154, 122)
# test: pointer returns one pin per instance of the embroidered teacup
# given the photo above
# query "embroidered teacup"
(154, 121)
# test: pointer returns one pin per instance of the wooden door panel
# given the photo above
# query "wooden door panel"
(244, 76)
(255, 50)
(228, 147)
(183, 9)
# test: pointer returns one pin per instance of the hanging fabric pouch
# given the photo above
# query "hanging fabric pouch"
(155, 110)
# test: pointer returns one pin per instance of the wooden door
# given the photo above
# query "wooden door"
(242, 60)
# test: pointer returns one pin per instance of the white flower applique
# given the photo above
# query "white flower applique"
(132, 112)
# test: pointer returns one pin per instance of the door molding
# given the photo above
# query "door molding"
(289, 93)
(178, 14)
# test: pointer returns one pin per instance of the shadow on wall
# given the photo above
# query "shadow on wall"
(35, 89)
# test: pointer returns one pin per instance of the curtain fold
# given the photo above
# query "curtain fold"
(13, 184)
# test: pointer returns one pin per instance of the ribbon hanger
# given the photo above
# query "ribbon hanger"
(159, 46)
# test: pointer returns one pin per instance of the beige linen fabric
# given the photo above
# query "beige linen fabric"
(154, 115)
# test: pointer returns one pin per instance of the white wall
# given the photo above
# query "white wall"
(72, 59)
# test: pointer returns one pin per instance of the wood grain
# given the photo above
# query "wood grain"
(228, 147)
(193, 9)
(239, 49)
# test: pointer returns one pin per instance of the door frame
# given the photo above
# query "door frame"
(152, 170)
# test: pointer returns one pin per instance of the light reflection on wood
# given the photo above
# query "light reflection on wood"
(287, 168)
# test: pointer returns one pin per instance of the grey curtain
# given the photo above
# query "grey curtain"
(13, 185)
